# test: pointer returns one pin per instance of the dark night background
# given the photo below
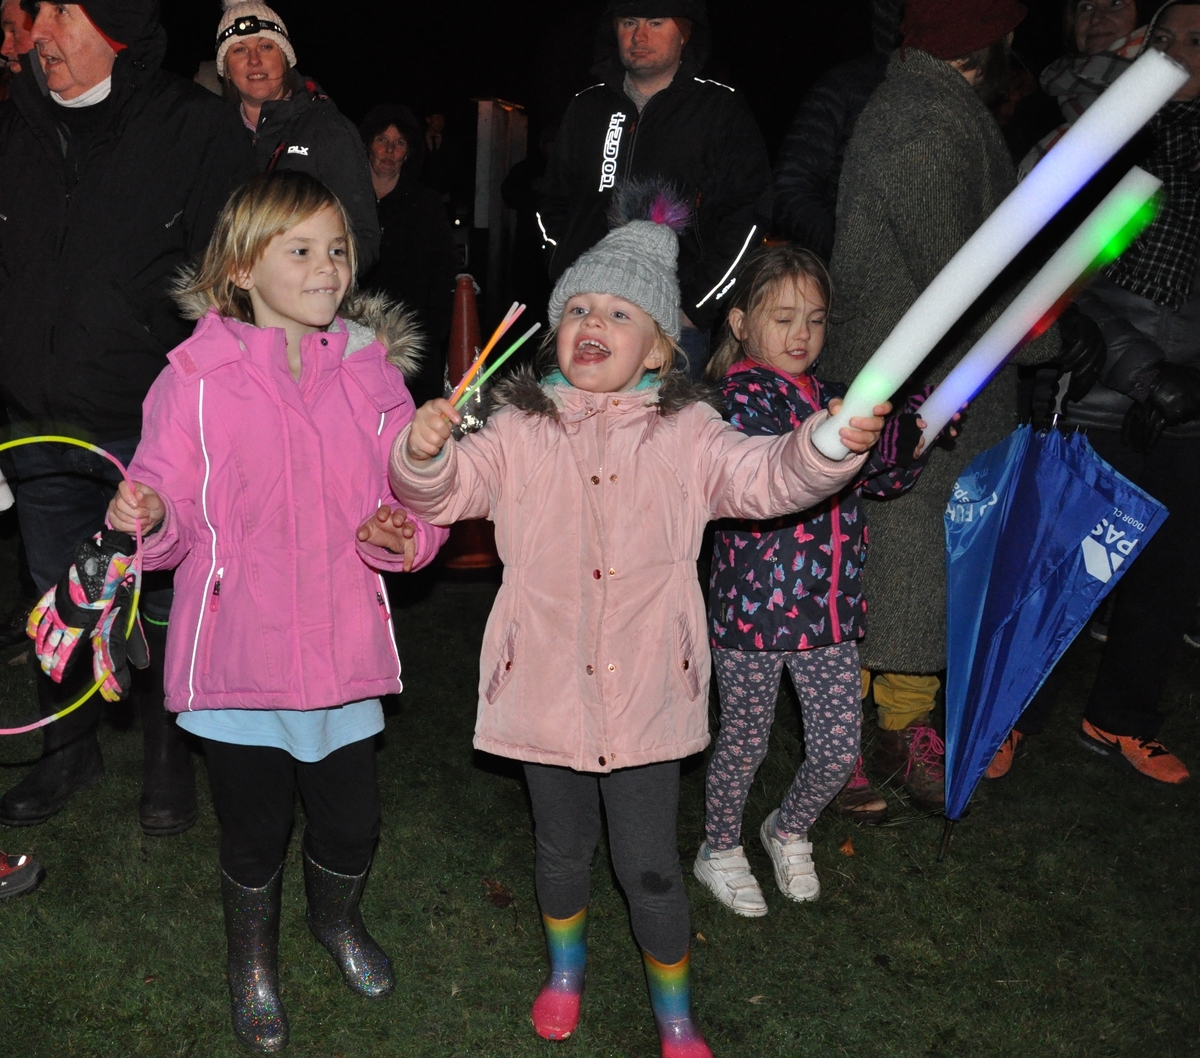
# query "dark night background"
(440, 55)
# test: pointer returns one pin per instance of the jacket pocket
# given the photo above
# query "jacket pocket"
(208, 619)
(503, 670)
(685, 659)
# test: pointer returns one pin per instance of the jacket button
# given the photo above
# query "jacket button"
(612, 667)
(596, 574)
(602, 761)
(612, 572)
(685, 664)
(590, 670)
(616, 403)
(595, 480)
(324, 341)
(612, 477)
(508, 665)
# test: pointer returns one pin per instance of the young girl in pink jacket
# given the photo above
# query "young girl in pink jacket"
(262, 476)
(600, 479)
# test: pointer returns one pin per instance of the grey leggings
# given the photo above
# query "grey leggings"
(641, 806)
(828, 682)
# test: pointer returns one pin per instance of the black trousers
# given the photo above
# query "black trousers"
(254, 792)
(1154, 601)
(641, 805)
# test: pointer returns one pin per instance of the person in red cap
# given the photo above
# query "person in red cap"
(926, 165)
(112, 173)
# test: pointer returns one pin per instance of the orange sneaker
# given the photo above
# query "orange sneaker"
(1145, 755)
(1002, 762)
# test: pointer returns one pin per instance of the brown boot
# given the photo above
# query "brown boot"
(917, 756)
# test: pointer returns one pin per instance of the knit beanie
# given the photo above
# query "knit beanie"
(950, 29)
(250, 19)
(122, 23)
(634, 261)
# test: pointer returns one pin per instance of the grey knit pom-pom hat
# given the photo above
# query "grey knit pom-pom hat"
(635, 261)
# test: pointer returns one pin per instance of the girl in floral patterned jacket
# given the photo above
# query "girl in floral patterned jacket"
(788, 592)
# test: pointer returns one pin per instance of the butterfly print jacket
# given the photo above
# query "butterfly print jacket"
(794, 583)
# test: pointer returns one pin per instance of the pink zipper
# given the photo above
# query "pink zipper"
(215, 602)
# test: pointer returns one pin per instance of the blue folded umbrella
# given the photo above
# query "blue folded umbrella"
(1039, 529)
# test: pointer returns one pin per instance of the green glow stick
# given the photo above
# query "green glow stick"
(477, 385)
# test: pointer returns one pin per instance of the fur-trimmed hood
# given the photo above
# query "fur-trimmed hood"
(367, 318)
(526, 392)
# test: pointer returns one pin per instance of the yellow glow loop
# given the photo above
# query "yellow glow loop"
(137, 583)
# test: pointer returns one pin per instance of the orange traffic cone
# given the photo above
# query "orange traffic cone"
(472, 545)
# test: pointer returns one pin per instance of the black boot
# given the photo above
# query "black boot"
(335, 921)
(71, 757)
(168, 804)
(252, 943)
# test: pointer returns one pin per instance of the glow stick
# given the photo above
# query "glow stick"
(510, 317)
(1105, 127)
(465, 399)
(1098, 241)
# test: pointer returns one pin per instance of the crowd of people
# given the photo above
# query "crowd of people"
(246, 298)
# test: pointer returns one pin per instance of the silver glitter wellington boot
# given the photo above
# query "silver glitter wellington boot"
(335, 921)
(252, 939)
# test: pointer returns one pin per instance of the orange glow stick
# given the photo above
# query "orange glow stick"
(510, 318)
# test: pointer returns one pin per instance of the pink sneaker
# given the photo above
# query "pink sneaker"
(858, 800)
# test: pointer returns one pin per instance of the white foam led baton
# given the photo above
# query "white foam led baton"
(1103, 129)
(1099, 240)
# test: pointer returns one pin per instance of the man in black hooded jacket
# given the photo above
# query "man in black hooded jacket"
(653, 118)
(112, 173)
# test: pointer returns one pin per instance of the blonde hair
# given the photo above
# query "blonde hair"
(262, 208)
(672, 351)
(759, 276)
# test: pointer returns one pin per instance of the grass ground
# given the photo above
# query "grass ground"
(1063, 922)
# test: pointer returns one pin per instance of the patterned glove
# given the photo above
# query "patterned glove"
(898, 441)
(92, 600)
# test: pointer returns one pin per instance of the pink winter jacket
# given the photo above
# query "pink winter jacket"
(595, 654)
(265, 481)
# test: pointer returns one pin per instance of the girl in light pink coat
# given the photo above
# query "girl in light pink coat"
(262, 476)
(600, 479)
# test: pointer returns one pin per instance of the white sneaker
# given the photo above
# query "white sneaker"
(728, 875)
(795, 873)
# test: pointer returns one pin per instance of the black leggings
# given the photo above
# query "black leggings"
(254, 792)
(641, 805)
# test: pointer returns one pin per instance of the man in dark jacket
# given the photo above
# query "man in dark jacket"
(112, 173)
(810, 160)
(653, 118)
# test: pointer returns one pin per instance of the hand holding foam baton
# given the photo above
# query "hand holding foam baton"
(1099, 240)
(1100, 132)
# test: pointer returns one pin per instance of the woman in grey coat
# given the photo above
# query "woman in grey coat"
(926, 165)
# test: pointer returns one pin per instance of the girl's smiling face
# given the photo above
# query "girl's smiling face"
(606, 344)
(787, 330)
(302, 275)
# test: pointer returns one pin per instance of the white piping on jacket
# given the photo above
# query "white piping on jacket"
(701, 80)
(379, 432)
(212, 568)
(729, 270)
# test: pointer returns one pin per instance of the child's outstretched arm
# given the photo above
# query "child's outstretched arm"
(443, 480)
(766, 477)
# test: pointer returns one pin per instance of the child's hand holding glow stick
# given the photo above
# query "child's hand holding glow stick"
(431, 428)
